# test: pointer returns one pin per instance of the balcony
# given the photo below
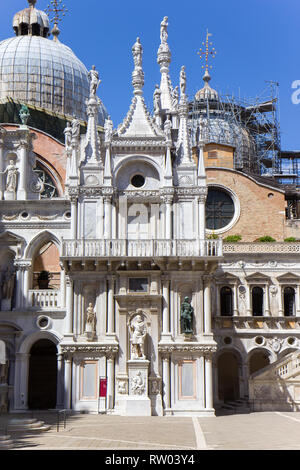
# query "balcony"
(140, 248)
(239, 323)
(44, 299)
(275, 247)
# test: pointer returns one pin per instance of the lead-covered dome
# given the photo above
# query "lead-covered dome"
(42, 72)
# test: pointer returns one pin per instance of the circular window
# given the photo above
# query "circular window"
(291, 341)
(219, 208)
(227, 340)
(43, 322)
(259, 340)
(138, 181)
(50, 189)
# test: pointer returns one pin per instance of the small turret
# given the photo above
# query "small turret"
(31, 22)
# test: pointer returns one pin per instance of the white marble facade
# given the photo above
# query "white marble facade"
(131, 236)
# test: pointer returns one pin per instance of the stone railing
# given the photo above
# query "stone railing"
(140, 248)
(44, 299)
(257, 323)
(261, 247)
(288, 367)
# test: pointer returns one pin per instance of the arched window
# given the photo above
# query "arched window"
(50, 189)
(257, 301)
(226, 301)
(289, 301)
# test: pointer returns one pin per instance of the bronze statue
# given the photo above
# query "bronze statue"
(186, 316)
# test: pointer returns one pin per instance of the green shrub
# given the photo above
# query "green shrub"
(212, 236)
(233, 238)
(266, 239)
(290, 239)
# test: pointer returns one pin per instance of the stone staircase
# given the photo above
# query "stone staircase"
(239, 406)
(32, 425)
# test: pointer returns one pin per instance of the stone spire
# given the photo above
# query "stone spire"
(164, 60)
(92, 146)
(138, 121)
(184, 151)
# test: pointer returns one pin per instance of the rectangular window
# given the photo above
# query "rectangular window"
(187, 380)
(89, 380)
(138, 284)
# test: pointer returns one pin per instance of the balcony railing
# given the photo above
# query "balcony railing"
(275, 247)
(44, 299)
(140, 248)
(256, 323)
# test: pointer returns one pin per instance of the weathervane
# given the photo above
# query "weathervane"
(206, 53)
(56, 8)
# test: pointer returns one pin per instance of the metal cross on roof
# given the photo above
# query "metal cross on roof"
(57, 9)
(207, 52)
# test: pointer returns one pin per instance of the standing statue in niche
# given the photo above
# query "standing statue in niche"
(68, 135)
(8, 284)
(11, 172)
(90, 325)
(138, 333)
(108, 129)
(94, 81)
(186, 317)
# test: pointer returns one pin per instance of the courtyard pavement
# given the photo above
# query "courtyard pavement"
(253, 431)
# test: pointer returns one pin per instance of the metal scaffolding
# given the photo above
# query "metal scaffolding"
(251, 127)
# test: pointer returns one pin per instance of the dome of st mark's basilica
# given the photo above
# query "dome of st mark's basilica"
(42, 72)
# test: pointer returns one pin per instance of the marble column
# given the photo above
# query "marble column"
(201, 215)
(2, 179)
(68, 382)
(110, 306)
(22, 175)
(69, 305)
(235, 299)
(207, 304)
(208, 383)
(60, 382)
(74, 218)
(166, 334)
(107, 217)
(166, 381)
(267, 301)
(110, 382)
(168, 220)
(280, 302)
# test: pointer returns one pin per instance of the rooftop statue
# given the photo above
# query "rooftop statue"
(94, 81)
(163, 30)
(137, 51)
(182, 80)
(24, 114)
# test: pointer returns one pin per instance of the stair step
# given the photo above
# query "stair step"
(28, 425)
(6, 442)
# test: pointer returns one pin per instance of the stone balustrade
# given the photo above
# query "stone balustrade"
(44, 299)
(261, 247)
(256, 323)
(140, 248)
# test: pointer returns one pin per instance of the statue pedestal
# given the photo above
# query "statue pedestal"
(138, 403)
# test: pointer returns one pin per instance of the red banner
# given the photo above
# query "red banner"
(103, 388)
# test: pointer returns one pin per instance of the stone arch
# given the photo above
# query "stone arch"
(138, 164)
(53, 336)
(38, 241)
(229, 362)
(258, 358)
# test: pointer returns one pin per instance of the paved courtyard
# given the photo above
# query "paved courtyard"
(254, 431)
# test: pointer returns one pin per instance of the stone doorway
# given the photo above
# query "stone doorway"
(42, 382)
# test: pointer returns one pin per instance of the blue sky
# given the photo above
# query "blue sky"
(256, 41)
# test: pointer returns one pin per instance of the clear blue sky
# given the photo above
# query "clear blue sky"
(256, 41)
